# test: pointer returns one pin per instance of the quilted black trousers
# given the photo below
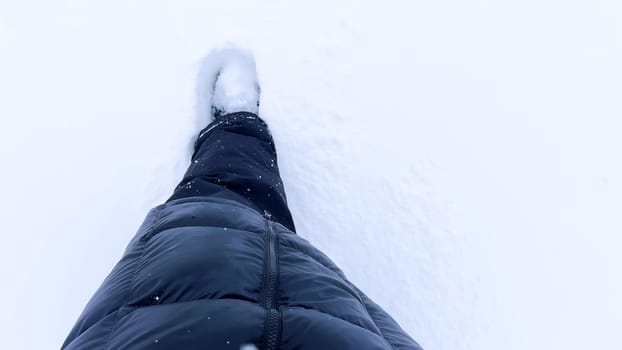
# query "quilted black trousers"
(235, 158)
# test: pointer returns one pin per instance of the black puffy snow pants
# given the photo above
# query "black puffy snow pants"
(235, 158)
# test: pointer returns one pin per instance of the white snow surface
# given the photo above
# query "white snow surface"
(235, 85)
(459, 160)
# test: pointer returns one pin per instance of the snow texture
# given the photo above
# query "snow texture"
(459, 160)
(235, 88)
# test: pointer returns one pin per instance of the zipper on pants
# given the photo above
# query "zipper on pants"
(269, 298)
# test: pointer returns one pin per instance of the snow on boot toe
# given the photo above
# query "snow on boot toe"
(236, 88)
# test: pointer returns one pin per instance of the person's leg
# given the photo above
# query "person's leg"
(235, 158)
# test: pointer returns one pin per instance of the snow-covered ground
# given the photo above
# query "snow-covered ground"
(459, 160)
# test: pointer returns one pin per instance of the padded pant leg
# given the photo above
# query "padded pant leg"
(235, 158)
